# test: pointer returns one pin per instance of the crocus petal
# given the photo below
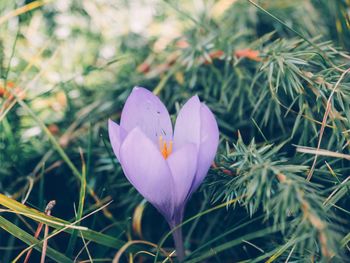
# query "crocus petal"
(196, 124)
(188, 124)
(183, 165)
(144, 110)
(147, 171)
(208, 145)
(116, 136)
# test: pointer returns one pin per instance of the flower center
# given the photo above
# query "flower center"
(165, 148)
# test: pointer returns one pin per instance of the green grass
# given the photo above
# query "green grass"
(279, 189)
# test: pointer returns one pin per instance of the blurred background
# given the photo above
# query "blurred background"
(266, 68)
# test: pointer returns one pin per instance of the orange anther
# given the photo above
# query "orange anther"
(165, 150)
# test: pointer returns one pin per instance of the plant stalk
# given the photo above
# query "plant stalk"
(177, 236)
(179, 244)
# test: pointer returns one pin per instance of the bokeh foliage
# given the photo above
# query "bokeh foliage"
(274, 72)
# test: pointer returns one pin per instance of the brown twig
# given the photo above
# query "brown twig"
(48, 209)
(61, 230)
(324, 121)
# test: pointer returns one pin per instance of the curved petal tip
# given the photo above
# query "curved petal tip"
(208, 144)
(188, 123)
(115, 137)
(145, 110)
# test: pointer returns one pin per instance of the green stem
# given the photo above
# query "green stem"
(176, 228)
(179, 244)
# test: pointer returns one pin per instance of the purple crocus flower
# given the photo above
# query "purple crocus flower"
(165, 168)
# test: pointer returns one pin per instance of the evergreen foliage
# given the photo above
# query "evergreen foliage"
(274, 72)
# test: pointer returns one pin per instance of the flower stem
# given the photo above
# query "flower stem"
(177, 234)
(179, 244)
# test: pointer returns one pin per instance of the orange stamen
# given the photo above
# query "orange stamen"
(165, 150)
